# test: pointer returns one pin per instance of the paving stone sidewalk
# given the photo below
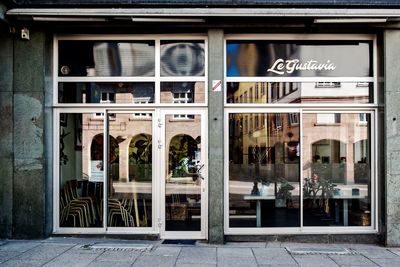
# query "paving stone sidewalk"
(66, 252)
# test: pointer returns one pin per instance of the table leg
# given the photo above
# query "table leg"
(336, 212)
(258, 213)
(345, 212)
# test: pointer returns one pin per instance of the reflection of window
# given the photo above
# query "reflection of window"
(274, 92)
(278, 121)
(328, 118)
(183, 98)
(362, 118)
(294, 87)
(294, 118)
(362, 84)
(142, 100)
(256, 122)
(262, 120)
(257, 92)
(263, 89)
(105, 98)
(327, 84)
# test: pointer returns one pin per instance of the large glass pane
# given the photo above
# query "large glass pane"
(98, 92)
(182, 58)
(264, 170)
(81, 171)
(299, 92)
(182, 92)
(311, 58)
(182, 178)
(336, 169)
(105, 58)
(130, 170)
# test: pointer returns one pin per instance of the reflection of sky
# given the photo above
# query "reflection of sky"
(232, 50)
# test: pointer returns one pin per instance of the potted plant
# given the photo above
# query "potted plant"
(283, 194)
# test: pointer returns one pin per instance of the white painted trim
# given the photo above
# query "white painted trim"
(300, 79)
(208, 12)
(300, 36)
(203, 233)
(372, 229)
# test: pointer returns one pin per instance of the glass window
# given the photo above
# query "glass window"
(81, 172)
(264, 172)
(182, 92)
(182, 58)
(106, 58)
(336, 171)
(265, 58)
(106, 92)
(301, 92)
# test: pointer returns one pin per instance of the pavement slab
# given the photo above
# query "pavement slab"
(194, 265)
(6, 255)
(234, 252)
(164, 251)
(314, 260)
(378, 253)
(388, 262)
(352, 260)
(45, 252)
(237, 262)
(110, 264)
(72, 259)
(273, 256)
(23, 263)
(19, 246)
(154, 260)
(198, 255)
(128, 256)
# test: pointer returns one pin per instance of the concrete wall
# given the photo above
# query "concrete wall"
(215, 138)
(6, 135)
(22, 162)
(392, 135)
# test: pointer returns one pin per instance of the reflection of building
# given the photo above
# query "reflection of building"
(298, 92)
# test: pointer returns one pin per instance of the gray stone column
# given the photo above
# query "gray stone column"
(29, 161)
(392, 135)
(215, 138)
(6, 135)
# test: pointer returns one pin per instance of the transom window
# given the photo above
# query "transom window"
(128, 70)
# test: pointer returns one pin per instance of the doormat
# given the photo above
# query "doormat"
(326, 251)
(179, 242)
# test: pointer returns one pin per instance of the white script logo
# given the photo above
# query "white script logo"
(289, 66)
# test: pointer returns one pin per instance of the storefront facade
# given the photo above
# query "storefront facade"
(198, 126)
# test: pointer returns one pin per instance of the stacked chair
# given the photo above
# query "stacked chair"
(118, 215)
(80, 209)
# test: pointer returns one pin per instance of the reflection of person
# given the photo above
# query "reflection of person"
(343, 160)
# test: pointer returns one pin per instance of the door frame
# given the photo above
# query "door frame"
(203, 233)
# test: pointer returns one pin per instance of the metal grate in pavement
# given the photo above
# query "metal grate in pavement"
(310, 251)
(119, 247)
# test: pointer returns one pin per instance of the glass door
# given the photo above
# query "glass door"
(130, 170)
(183, 150)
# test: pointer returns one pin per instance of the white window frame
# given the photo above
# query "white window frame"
(302, 108)
(157, 79)
(115, 108)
